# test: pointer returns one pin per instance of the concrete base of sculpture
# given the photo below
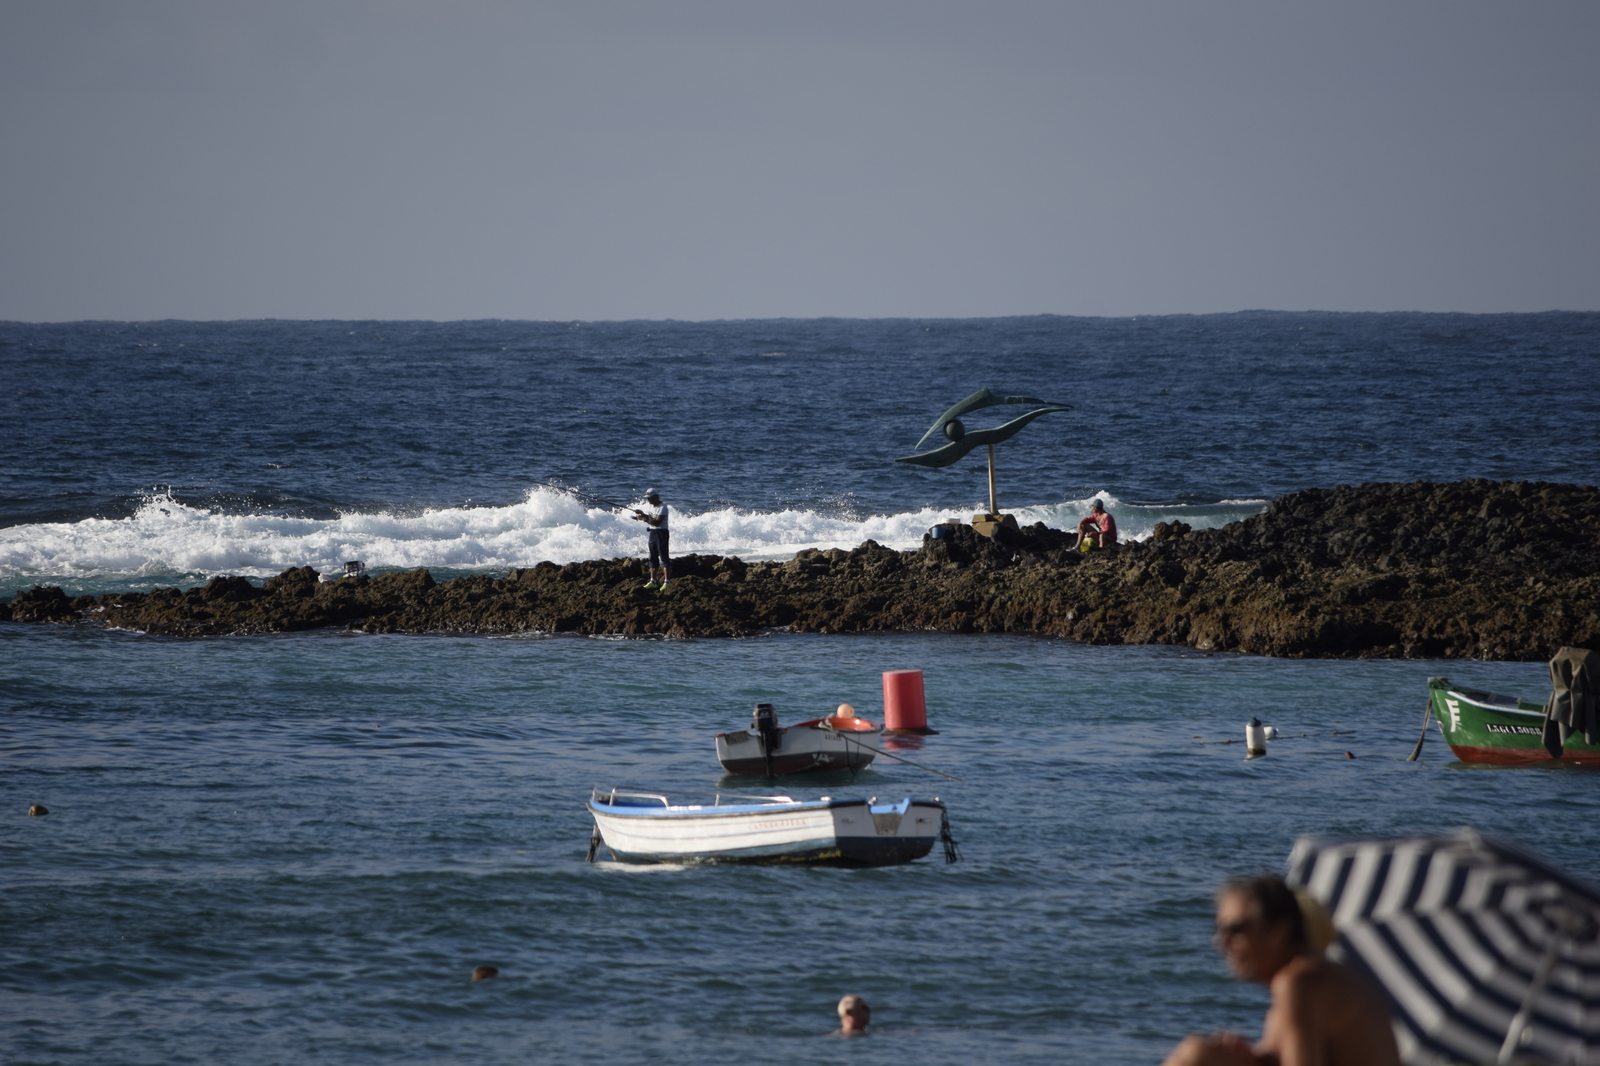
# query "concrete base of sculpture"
(995, 526)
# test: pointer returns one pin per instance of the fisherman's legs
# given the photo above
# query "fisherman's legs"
(658, 554)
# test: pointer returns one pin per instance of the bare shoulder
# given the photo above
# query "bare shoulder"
(1312, 973)
(1343, 1010)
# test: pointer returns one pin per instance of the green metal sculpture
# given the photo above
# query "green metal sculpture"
(962, 442)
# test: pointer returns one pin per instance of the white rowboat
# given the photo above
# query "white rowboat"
(647, 827)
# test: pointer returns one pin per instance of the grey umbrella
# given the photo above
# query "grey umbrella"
(1486, 952)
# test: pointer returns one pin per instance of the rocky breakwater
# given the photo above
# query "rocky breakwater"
(1481, 569)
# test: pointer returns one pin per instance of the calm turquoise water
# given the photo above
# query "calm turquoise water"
(299, 847)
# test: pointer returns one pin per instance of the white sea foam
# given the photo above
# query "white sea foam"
(166, 537)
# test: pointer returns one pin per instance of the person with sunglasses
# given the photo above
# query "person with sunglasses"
(1323, 1013)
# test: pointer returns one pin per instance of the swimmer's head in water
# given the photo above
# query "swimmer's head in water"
(854, 1014)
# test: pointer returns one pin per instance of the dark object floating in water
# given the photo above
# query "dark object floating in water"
(38, 809)
(483, 973)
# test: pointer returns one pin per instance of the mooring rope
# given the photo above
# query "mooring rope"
(951, 853)
(880, 751)
(1427, 720)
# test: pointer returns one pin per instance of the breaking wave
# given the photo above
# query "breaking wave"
(169, 542)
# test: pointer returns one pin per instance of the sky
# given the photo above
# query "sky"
(866, 158)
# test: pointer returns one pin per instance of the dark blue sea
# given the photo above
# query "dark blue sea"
(297, 848)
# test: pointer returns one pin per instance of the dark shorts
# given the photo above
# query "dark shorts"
(658, 548)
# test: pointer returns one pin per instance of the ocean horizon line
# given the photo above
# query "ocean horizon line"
(1039, 315)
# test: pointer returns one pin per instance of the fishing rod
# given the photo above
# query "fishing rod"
(880, 751)
(550, 484)
(588, 496)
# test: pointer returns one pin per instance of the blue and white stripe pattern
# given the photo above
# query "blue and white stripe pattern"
(1458, 931)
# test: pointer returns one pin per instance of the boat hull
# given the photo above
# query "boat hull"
(840, 832)
(801, 749)
(1484, 727)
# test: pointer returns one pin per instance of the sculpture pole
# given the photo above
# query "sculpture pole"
(994, 506)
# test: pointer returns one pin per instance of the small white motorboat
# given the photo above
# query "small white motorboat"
(840, 741)
(647, 827)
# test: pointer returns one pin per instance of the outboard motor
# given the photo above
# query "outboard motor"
(764, 720)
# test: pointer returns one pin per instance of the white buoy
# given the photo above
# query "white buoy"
(1255, 737)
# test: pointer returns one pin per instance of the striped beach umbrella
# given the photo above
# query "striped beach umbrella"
(1486, 951)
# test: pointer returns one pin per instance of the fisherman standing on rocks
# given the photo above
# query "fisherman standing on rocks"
(656, 519)
(1098, 530)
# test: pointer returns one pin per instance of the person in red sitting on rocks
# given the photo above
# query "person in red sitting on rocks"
(1098, 530)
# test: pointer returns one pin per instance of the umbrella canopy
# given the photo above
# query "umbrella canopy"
(1486, 951)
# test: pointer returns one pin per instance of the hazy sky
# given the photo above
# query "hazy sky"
(593, 160)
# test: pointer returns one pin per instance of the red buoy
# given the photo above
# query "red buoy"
(904, 709)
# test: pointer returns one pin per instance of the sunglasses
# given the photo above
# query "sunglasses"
(1229, 930)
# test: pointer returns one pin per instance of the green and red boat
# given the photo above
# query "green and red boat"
(1491, 728)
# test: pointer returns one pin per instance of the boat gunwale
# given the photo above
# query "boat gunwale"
(745, 810)
(810, 723)
(1478, 701)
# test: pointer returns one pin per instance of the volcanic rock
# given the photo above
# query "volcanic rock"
(1472, 569)
(42, 603)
